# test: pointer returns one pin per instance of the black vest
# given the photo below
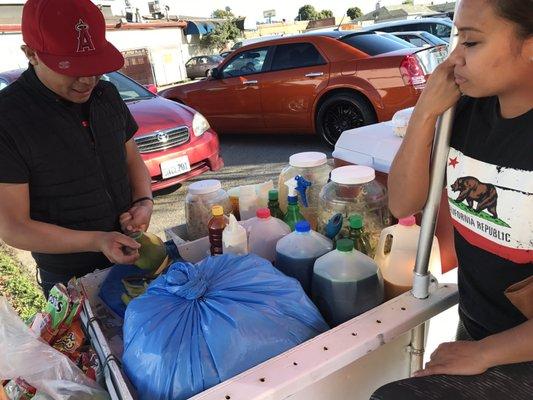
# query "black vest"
(77, 177)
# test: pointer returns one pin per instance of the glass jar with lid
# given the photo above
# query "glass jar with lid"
(201, 197)
(353, 190)
(313, 167)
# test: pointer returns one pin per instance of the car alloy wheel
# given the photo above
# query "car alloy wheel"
(341, 112)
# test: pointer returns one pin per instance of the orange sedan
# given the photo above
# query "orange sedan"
(321, 83)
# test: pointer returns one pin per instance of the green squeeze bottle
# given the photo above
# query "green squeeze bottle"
(359, 236)
(273, 205)
(293, 210)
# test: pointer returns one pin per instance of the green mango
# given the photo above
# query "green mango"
(152, 251)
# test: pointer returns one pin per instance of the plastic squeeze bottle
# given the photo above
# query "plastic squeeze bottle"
(359, 236)
(273, 204)
(216, 226)
(293, 210)
(234, 238)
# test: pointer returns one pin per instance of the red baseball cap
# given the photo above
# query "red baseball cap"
(69, 37)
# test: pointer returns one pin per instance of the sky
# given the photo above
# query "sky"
(288, 9)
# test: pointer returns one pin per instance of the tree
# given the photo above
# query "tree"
(307, 13)
(324, 14)
(221, 35)
(408, 2)
(354, 12)
(222, 14)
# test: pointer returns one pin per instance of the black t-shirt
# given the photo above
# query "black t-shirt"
(73, 158)
(490, 191)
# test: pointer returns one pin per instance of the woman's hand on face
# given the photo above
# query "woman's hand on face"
(441, 91)
(456, 358)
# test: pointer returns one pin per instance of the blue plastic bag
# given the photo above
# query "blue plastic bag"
(199, 325)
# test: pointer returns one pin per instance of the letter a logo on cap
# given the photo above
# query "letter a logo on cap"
(85, 42)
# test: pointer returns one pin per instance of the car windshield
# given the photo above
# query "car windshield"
(373, 44)
(396, 39)
(128, 89)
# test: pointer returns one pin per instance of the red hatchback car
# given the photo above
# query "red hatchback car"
(321, 83)
(175, 141)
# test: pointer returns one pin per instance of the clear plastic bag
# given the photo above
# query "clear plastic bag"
(400, 120)
(25, 355)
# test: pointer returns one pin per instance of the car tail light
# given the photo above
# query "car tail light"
(412, 73)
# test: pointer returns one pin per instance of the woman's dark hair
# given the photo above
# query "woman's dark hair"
(520, 12)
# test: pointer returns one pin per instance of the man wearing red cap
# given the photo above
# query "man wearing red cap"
(71, 176)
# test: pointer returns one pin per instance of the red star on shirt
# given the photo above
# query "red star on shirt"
(453, 162)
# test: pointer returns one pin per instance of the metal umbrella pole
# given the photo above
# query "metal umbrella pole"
(421, 276)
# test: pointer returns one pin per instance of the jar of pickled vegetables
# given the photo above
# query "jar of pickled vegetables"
(353, 190)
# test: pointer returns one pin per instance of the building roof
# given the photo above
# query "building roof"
(386, 13)
(443, 7)
(11, 16)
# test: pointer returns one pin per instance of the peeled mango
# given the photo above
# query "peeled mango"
(152, 251)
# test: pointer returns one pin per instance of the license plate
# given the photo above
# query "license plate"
(176, 166)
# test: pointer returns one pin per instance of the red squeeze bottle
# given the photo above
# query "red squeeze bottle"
(215, 226)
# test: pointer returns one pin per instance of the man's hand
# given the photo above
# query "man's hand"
(137, 218)
(456, 358)
(118, 248)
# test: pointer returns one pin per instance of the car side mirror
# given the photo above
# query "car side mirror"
(214, 73)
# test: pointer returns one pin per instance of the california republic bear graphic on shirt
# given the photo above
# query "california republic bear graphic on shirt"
(491, 206)
(471, 189)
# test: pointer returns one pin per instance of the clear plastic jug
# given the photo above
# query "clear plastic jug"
(297, 252)
(346, 283)
(353, 190)
(396, 256)
(314, 168)
(264, 232)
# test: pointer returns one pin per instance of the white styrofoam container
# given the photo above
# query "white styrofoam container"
(372, 145)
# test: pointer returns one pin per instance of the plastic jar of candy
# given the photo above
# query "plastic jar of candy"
(201, 197)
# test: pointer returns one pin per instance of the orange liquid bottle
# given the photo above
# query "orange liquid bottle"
(216, 226)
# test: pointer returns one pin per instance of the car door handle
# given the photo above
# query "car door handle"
(250, 82)
(314, 74)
